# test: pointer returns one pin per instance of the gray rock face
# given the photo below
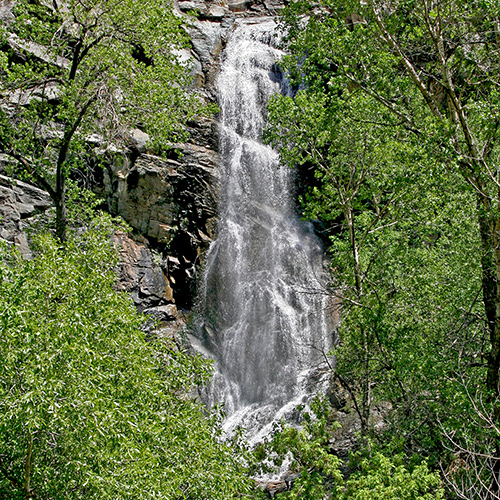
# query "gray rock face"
(147, 193)
(207, 41)
(139, 274)
(37, 50)
(19, 204)
(6, 15)
(239, 5)
(171, 202)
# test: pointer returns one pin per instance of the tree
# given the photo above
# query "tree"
(433, 66)
(78, 72)
(317, 472)
(360, 176)
(88, 407)
(402, 252)
(397, 114)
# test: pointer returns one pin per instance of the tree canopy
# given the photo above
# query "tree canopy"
(88, 407)
(394, 126)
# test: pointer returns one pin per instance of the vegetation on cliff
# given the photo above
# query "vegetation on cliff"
(75, 73)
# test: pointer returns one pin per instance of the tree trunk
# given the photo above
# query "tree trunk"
(364, 414)
(60, 203)
(61, 219)
(490, 296)
(490, 266)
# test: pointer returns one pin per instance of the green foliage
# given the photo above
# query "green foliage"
(82, 205)
(88, 407)
(393, 129)
(380, 477)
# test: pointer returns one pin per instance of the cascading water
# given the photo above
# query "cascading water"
(265, 321)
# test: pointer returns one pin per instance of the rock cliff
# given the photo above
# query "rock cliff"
(170, 201)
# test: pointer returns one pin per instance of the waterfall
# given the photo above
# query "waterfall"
(265, 317)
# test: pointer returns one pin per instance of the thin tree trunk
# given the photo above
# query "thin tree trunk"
(60, 202)
(27, 473)
(61, 221)
(490, 266)
(365, 382)
(489, 284)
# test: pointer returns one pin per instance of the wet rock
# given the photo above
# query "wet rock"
(273, 488)
(205, 133)
(165, 321)
(337, 395)
(290, 479)
(163, 315)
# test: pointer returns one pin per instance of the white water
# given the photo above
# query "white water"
(265, 321)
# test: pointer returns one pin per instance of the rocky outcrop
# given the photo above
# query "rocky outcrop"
(20, 203)
(207, 38)
(140, 274)
(154, 195)
(166, 321)
(169, 200)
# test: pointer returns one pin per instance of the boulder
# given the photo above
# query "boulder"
(190, 6)
(216, 13)
(138, 140)
(41, 52)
